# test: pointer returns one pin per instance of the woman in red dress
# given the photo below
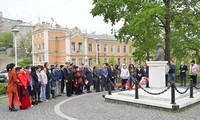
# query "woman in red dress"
(23, 90)
(12, 88)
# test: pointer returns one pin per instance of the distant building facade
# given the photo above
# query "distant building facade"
(58, 45)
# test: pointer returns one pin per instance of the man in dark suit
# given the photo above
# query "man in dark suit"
(68, 75)
(111, 75)
(183, 69)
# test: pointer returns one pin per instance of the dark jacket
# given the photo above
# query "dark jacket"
(88, 75)
(54, 78)
(145, 72)
(68, 74)
(59, 74)
(183, 69)
(97, 74)
(111, 73)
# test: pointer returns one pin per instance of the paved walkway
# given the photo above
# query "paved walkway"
(92, 107)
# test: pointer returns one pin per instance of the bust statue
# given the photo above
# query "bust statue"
(160, 54)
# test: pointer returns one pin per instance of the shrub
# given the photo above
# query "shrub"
(2, 90)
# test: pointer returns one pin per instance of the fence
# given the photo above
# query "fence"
(172, 86)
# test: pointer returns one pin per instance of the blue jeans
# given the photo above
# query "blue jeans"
(43, 92)
(172, 77)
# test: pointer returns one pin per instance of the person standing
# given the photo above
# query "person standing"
(58, 73)
(43, 83)
(88, 77)
(124, 76)
(78, 81)
(97, 78)
(23, 89)
(35, 85)
(104, 73)
(146, 75)
(131, 69)
(12, 88)
(117, 74)
(68, 75)
(111, 75)
(38, 69)
(172, 70)
(194, 68)
(183, 69)
(48, 91)
(63, 79)
(54, 78)
(139, 73)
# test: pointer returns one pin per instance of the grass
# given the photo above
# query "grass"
(2, 90)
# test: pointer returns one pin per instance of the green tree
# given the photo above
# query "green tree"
(112, 60)
(151, 20)
(6, 39)
(25, 42)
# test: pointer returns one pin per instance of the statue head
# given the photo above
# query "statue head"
(159, 45)
(160, 55)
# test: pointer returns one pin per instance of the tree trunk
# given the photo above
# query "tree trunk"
(167, 32)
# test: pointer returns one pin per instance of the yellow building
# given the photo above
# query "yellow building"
(58, 45)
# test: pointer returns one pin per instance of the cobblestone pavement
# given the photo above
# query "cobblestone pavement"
(93, 107)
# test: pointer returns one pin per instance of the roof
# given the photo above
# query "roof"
(101, 37)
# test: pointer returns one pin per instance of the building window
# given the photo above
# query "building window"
(73, 46)
(98, 48)
(112, 49)
(105, 60)
(80, 46)
(90, 47)
(124, 48)
(105, 48)
(90, 62)
(118, 49)
(118, 61)
(74, 61)
(80, 61)
(124, 60)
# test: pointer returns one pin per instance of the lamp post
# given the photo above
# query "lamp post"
(15, 31)
(96, 39)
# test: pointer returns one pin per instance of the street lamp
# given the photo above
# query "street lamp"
(97, 52)
(15, 31)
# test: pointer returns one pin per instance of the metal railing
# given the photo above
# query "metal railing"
(172, 86)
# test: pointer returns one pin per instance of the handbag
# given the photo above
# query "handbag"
(119, 84)
(25, 92)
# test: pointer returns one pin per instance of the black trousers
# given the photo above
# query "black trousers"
(194, 77)
(39, 91)
(69, 88)
(112, 80)
(48, 90)
(166, 80)
(97, 85)
(62, 85)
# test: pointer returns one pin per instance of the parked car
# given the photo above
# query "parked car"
(3, 76)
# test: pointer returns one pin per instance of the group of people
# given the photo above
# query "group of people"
(171, 71)
(31, 85)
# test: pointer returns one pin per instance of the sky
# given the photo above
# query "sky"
(70, 13)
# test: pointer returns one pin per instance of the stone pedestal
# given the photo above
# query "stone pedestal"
(156, 73)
